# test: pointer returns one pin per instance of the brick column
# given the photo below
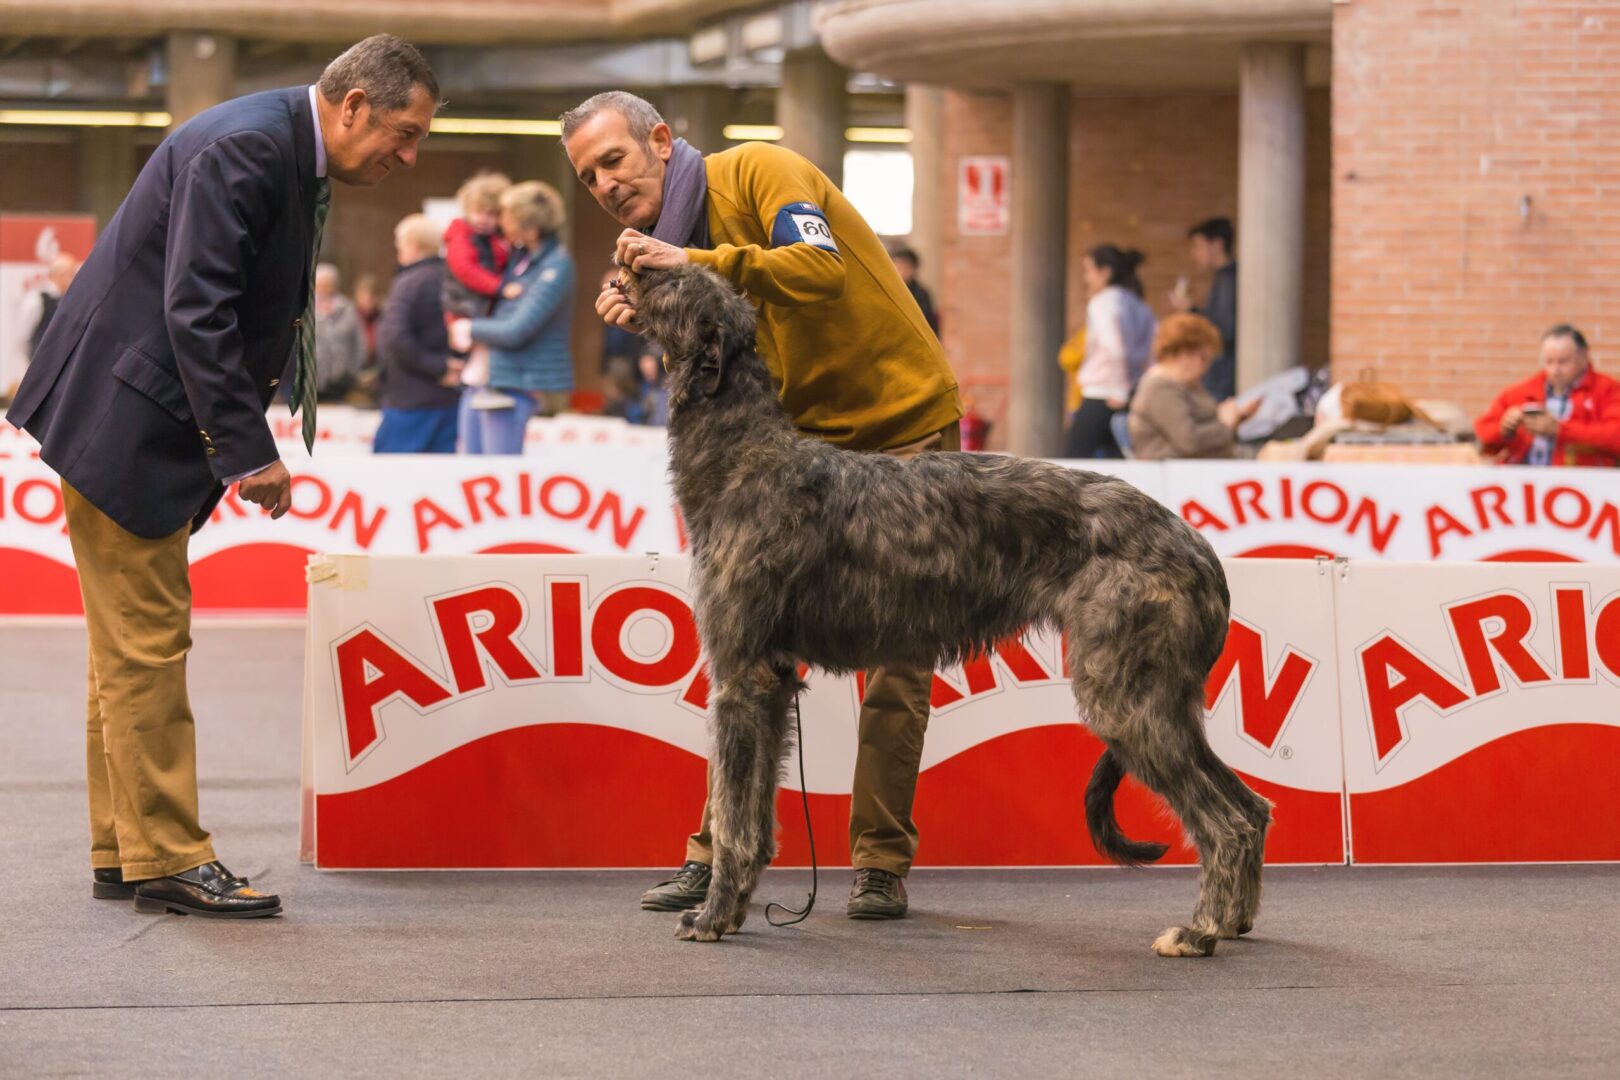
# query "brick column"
(698, 114)
(925, 117)
(106, 170)
(202, 73)
(1271, 210)
(1040, 199)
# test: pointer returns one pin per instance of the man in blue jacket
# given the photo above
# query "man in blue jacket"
(148, 396)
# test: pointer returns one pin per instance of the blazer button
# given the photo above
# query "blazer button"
(298, 322)
(211, 450)
(275, 382)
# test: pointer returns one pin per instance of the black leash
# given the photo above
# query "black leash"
(804, 793)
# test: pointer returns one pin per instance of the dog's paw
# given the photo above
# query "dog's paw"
(1232, 933)
(697, 925)
(1180, 941)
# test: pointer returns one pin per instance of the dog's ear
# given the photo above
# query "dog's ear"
(713, 369)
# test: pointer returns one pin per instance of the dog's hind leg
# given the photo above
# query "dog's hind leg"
(1238, 918)
(740, 780)
(1138, 663)
(1226, 821)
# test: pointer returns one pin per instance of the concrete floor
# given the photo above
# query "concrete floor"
(1481, 971)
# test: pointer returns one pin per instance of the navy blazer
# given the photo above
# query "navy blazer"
(150, 386)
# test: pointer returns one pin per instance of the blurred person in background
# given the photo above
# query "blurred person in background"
(421, 381)
(1210, 244)
(368, 302)
(654, 394)
(528, 332)
(1568, 413)
(1118, 349)
(475, 252)
(39, 307)
(1172, 414)
(340, 342)
(148, 395)
(905, 264)
(853, 363)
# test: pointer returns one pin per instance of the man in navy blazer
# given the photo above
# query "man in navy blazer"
(148, 395)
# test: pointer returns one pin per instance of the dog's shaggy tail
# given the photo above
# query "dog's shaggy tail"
(1106, 836)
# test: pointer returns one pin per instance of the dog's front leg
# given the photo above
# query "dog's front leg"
(736, 729)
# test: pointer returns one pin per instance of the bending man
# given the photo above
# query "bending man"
(148, 397)
(852, 358)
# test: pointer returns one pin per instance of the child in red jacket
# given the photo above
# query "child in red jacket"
(475, 254)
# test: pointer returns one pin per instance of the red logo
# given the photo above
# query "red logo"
(1490, 636)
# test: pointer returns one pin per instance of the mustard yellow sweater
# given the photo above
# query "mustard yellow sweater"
(853, 359)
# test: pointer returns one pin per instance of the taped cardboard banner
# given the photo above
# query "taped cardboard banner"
(551, 711)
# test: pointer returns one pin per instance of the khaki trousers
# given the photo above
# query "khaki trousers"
(141, 754)
(894, 717)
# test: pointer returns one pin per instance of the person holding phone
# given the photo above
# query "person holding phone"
(1568, 413)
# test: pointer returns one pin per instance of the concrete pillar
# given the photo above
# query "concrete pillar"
(925, 117)
(106, 170)
(1040, 202)
(699, 114)
(1271, 210)
(811, 107)
(202, 73)
(540, 157)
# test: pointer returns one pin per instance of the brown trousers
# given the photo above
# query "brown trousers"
(141, 752)
(894, 717)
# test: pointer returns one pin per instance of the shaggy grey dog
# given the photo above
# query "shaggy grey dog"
(845, 561)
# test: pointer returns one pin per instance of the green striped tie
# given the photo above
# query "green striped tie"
(303, 388)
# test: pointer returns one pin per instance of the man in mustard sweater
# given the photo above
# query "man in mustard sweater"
(852, 358)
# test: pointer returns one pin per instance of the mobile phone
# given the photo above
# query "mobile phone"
(1532, 407)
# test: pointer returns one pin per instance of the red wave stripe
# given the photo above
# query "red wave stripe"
(1285, 551)
(524, 547)
(584, 795)
(1529, 555)
(1543, 795)
(36, 585)
(250, 577)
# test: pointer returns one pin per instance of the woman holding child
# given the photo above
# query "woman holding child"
(527, 333)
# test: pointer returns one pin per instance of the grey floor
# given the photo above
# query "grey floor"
(1487, 971)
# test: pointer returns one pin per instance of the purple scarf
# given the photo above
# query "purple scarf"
(684, 221)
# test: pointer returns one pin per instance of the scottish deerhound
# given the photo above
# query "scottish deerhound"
(805, 552)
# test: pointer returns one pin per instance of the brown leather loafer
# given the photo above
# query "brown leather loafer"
(109, 884)
(209, 890)
(877, 894)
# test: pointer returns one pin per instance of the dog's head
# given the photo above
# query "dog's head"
(702, 322)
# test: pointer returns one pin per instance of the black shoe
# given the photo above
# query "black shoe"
(877, 894)
(686, 890)
(109, 884)
(209, 890)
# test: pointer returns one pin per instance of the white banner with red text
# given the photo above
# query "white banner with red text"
(550, 712)
(1481, 709)
(592, 486)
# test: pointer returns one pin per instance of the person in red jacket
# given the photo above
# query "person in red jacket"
(1566, 414)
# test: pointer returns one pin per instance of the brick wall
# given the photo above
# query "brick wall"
(1142, 170)
(1446, 114)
